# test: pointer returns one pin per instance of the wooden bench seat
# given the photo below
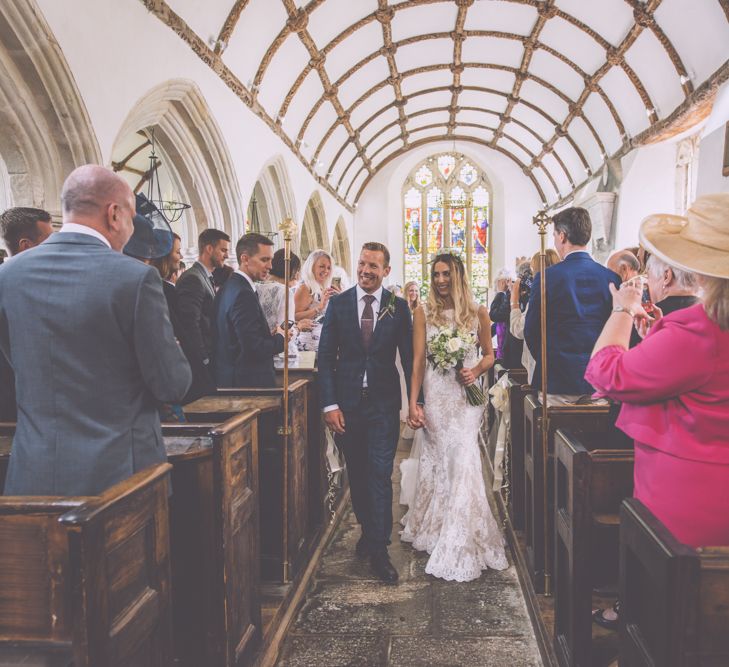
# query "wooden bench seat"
(518, 390)
(87, 577)
(283, 471)
(593, 474)
(674, 600)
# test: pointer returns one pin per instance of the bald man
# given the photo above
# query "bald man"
(625, 264)
(88, 334)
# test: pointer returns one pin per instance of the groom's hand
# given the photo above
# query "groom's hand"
(334, 419)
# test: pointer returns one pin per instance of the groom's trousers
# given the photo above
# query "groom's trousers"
(369, 444)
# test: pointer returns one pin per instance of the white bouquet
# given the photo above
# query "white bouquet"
(446, 351)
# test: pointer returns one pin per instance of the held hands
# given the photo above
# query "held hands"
(305, 325)
(629, 297)
(416, 418)
(334, 419)
(279, 330)
(643, 325)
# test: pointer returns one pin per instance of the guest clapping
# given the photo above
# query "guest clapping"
(673, 385)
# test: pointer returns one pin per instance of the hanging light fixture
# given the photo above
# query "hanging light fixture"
(171, 210)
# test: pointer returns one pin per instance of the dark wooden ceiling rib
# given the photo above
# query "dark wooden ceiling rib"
(458, 137)
(298, 20)
(172, 20)
(229, 26)
(644, 19)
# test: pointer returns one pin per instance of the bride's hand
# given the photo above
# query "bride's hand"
(416, 418)
(466, 376)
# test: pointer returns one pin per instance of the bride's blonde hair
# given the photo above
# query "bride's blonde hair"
(464, 306)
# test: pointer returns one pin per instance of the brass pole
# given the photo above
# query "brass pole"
(542, 220)
(288, 228)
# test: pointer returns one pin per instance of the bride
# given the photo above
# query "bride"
(450, 516)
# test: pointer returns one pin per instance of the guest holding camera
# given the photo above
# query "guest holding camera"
(673, 386)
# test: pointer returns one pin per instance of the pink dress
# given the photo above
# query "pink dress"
(674, 387)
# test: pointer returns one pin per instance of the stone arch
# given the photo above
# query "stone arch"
(274, 197)
(46, 130)
(340, 246)
(195, 158)
(314, 232)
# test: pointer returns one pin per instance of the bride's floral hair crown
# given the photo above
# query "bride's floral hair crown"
(456, 253)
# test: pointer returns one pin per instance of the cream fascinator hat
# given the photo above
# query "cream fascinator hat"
(697, 242)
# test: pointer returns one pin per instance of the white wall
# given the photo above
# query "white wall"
(116, 52)
(379, 214)
(711, 158)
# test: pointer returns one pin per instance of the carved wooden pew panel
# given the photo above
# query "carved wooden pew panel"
(674, 600)
(283, 476)
(593, 474)
(87, 576)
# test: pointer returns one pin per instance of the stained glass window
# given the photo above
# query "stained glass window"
(446, 163)
(424, 176)
(439, 211)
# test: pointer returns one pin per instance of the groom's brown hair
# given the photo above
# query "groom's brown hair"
(374, 246)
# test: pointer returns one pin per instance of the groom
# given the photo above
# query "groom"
(360, 394)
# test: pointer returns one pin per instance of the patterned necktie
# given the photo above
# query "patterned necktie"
(367, 323)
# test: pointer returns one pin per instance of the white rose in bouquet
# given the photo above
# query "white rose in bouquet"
(454, 344)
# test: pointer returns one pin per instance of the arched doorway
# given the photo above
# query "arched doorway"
(194, 164)
(314, 230)
(46, 131)
(272, 199)
(340, 247)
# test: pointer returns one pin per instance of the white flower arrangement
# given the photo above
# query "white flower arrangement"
(446, 351)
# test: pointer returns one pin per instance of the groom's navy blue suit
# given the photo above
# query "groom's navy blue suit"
(372, 421)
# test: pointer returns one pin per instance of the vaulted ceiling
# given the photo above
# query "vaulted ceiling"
(558, 86)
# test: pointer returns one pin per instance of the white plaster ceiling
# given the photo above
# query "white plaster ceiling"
(556, 85)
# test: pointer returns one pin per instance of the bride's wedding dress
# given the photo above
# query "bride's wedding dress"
(450, 517)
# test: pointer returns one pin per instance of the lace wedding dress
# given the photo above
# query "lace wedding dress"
(450, 517)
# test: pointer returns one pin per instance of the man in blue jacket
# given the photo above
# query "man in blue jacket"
(578, 305)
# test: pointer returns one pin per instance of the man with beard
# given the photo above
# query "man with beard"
(195, 291)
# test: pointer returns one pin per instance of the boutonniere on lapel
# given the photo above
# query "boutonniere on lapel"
(389, 309)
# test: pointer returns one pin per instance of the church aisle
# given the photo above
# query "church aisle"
(349, 618)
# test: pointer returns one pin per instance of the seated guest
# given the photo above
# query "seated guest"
(522, 292)
(625, 264)
(244, 344)
(673, 386)
(20, 229)
(312, 296)
(195, 295)
(670, 288)
(578, 305)
(92, 357)
(499, 310)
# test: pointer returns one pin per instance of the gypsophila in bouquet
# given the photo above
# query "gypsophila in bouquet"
(446, 351)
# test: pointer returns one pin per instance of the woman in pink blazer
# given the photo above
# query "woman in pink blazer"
(674, 386)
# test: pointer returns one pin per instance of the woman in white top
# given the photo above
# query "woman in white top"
(313, 295)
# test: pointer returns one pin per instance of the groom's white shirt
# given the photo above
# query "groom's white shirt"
(360, 309)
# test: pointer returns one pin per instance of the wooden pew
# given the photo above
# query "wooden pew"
(593, 474)
(586, 418)
(518, 390)
(318, 480)
(674, 600)
(214, 529)
(283, 475)
(6, 440)
(87, 577)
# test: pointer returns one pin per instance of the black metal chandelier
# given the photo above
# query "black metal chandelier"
(171, 210)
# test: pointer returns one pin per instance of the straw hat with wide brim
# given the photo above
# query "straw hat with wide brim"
(697, 242)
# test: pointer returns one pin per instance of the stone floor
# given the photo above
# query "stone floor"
(350, 619)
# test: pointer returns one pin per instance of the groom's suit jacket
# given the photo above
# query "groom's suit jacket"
(343, 360)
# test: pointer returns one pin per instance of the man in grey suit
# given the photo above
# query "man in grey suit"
(87, 332)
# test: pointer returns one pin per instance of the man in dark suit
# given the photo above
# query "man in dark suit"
(195, 291)
(87, 333)
(360, 394)
(578, 305)
(21, 228)
(244, 345)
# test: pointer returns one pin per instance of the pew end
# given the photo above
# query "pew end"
(674, 599)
